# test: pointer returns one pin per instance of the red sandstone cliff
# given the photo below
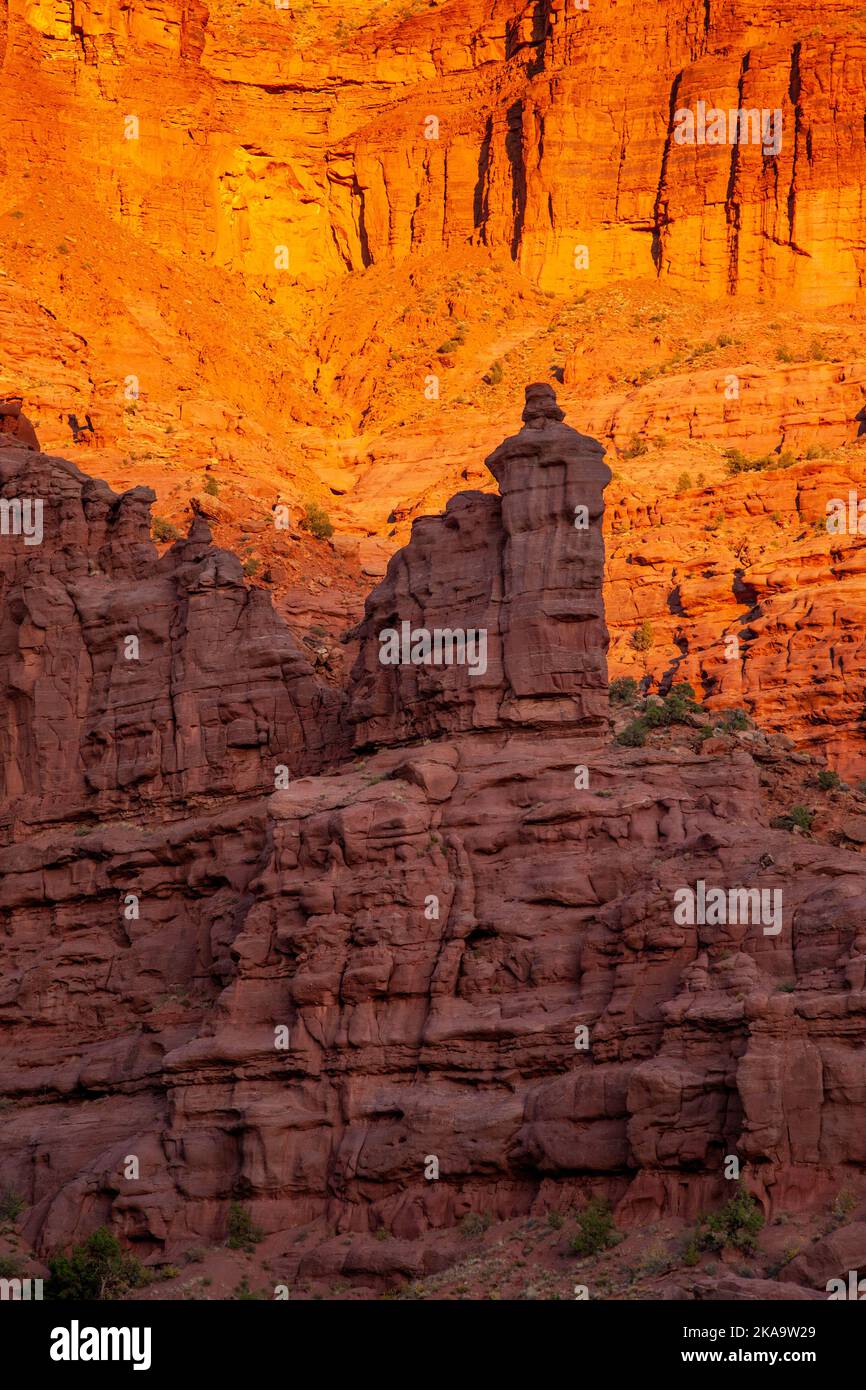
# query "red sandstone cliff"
(322, 987)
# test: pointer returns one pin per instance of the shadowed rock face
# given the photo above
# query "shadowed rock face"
(526, 568)
(391, 959)
(15, 428)
(128, 678)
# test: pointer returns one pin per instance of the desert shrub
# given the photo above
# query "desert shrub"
(251, 566)
(622, 690)
(11, 1205)
(98, 1269)
(316, 521)
(801, 817)
(473, 1225)
(737, 462)
(828, 780)
(494, 376)
(734, 721)
(245, 1294)
(595, 1229)
(737, 1224)
(211, 487)
(843, 1206)
(635, 448)
(655, 715)
(243, 1234)
(643, 637)
(555, 1220)
(655, 1261)
(633, 735)
(162, 530)
(677, 707)
(684, 484)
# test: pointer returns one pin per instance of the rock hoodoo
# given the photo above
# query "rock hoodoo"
(526, 568)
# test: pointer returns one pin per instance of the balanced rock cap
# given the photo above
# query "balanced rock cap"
(541, 406)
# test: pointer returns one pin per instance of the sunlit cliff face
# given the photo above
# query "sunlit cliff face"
(283, 254)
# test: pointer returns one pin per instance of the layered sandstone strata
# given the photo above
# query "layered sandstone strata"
(461, 948)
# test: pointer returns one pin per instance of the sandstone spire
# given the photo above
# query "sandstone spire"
(526, 568)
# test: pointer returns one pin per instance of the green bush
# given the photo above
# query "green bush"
(595, 1229)
(243, 1234)
(643, 637)
(734, 721)
(162, 530)
(677, 707)
(802, 817)
(738, 1224)
(635, 448)
(633, 735)
(737, 462)
(622, 690)
(98, 1269)
(11, 1205)
(655, 715)
(316, 521)
(473, 1224)
(684, 484)
(251, 566)
(828, 780)
(211, 487)
(494, 376)
(245, 1294)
